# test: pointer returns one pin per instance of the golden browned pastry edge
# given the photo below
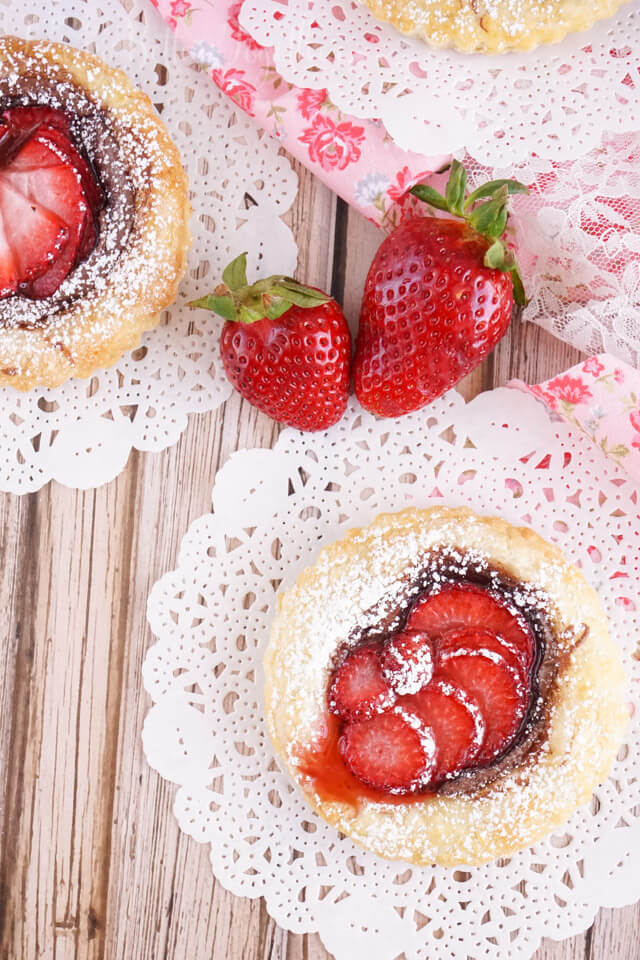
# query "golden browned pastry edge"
(465, 27)
(586, 723)
(93, 333)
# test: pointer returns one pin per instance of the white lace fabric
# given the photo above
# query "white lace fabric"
(555, 101)
(273, 510)
(81, 433)
(578, 243)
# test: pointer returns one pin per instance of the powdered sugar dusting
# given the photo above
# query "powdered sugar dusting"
(427, 742)
(470, 705)
(408, 674)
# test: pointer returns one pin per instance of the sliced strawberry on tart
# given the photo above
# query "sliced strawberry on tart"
(359, 688)
(467, 605)
(49, 201)
(459, 693)
(500, 693)
(390, 752)
(407, 661)
(457, 724)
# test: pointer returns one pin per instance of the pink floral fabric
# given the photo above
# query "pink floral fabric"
(333, 145)
(233, 83)
(356, 158)
(600, 396)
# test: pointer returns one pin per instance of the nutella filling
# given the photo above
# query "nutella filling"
(447, 567)
(97, 135)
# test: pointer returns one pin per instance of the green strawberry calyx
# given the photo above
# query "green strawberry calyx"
(487, 211)
(241, 302)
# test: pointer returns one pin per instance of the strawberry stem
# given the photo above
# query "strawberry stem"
(486, 210)
(241, 302)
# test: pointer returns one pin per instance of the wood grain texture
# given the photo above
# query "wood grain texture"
(92, 864)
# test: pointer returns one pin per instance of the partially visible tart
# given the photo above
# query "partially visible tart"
(443, 687)
(493, 26)
(93, 214)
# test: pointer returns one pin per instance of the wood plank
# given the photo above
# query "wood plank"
(59, 811)
(16, 515)
(615, 935)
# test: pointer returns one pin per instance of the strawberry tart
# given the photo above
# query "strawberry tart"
(493, 26)
(93, 214)
(443, 687)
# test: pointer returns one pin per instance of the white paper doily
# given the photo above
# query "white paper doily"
(205, 732)
(81, 433)
(555, 101)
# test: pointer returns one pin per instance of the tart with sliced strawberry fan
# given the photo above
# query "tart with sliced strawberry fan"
(93, 214)
(463, 714)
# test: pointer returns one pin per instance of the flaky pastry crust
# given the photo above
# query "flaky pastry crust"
(492, 26)
(94, 331)
(587, 713)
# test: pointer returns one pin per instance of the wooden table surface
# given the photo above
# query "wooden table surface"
(92, 864)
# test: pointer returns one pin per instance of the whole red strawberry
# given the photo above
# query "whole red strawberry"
(285, 347)
(438, 297)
